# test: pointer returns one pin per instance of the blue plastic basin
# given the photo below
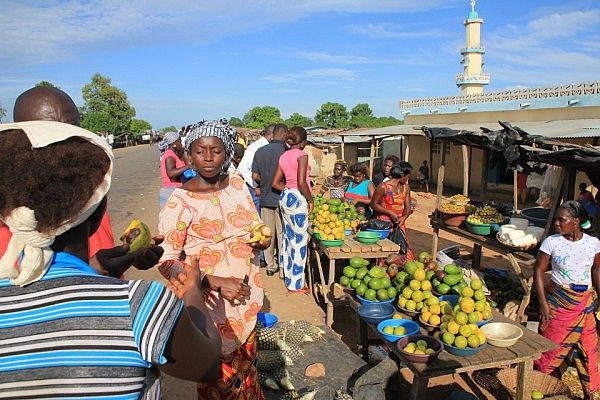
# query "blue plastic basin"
(383, 233)
(267, 319)
(466, 352)
(410, 326)
(365, 301)
(375, 313)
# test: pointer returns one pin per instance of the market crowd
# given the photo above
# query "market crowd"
(70, 326)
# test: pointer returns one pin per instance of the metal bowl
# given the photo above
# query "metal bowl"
(501, 334)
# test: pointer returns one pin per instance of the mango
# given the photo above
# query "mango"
(137, 236)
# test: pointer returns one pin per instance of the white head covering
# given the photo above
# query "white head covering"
(21, 221)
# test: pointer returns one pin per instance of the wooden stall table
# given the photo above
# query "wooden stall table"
(523, 353)
(350, 248)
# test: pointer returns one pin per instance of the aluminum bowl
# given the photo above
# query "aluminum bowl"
(501, 334)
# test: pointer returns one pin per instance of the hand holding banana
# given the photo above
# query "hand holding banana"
(260, 237)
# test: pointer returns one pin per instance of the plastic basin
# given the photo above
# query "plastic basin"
(317, 235)
(452, 219)
(482, 229)
(502, 334)
(432, 342)
(485, 322)
(410, 326)
(450, 298)
(332, 243)
(347, 232)
(536, 215)
(466, 352)
(383, 233)
(267, 319)
(374, 313)
(365, 301)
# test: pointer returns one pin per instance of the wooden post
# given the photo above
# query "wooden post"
(438, 202)
(372, 156)
(343, 148)
(483, 189)
(515, 192)
(465, 154)
(570, 184)
(556, 201)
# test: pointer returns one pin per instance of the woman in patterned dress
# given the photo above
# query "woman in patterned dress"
(209, 219)
(295, 203)
(391, 202)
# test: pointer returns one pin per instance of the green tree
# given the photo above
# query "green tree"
(45, 84)
(137, 127)
(106, 107)
(2, 112)
(169, 129)
(332, 115)
(259, 117)
(235, 121)
(361, 116)
(388, 121)
(298, 120)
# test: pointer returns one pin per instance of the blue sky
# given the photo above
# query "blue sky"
(180, 61)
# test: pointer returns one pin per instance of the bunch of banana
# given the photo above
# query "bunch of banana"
(137, 236)
(261, 235)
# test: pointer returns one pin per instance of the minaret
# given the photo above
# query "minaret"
(473, 79)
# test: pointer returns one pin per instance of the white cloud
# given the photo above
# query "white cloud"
(51, 31)
(553, 48)
(392, 31)
(321, 76)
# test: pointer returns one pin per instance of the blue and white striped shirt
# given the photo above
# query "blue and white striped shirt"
(78, 335)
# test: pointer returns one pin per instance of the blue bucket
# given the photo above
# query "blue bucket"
(267, 319)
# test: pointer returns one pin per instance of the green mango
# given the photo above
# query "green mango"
(452, 279)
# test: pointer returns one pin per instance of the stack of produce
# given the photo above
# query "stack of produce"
(485, 215)
(373, 284)
(459, 199)
(418, 347)
(414, 282)
(506, 292)
(279, 348)
(449, 280)
(331, 217)
(459, 323)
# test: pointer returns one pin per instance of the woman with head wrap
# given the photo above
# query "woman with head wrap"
(391, 202)
(65, 330)
(172, 166)
(568, 301)
(210, 219)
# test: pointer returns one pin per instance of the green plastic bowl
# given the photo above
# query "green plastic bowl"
(368, 237)
(482, 229)
(317, 235)
(332, 243)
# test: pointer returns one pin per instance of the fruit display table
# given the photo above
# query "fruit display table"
(350, 248)
(523, 353)
(519, 260)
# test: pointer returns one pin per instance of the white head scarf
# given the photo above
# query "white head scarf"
(21, 221)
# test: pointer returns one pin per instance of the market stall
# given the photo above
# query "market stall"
(519, 238)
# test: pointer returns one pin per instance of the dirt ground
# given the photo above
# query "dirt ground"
(134, 194)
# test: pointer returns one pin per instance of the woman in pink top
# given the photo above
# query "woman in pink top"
(172, 166)
(295, 203)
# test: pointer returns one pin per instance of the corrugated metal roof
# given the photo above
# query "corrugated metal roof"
(559, 129)
(393, 130)
(335, 139)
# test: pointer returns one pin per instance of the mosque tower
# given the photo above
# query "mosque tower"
(473, 79)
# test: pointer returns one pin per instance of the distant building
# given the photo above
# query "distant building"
(567, 112)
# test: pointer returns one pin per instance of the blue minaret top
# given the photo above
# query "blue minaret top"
(473, 14)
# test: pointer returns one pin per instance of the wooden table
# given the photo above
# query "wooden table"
(523, 353)
(350, 248)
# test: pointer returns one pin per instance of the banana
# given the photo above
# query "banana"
(261, 234)
(137, 236)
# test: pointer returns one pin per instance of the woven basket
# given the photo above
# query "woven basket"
(502, 384)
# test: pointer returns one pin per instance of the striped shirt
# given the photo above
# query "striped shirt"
(78, 335)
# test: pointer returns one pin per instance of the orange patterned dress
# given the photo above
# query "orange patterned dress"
(214, 227)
